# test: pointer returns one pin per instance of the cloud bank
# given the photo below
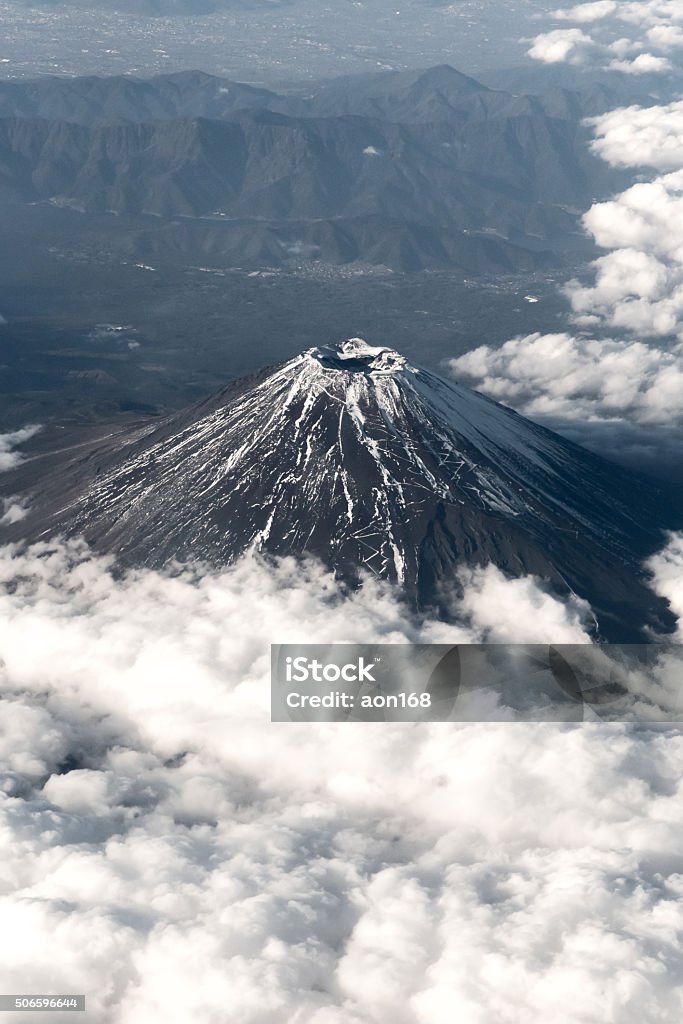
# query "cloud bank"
(667, 572)
(563, 377)
(633, 38)
(175, 856)
(641, 136)
(636, 286)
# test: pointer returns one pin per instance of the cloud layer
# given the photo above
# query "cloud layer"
(635, 38)
(175, 856)
(563, 377)
(667, 571)
(638, 284)
(632, 387)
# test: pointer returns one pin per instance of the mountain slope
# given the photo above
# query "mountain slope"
(518, 177)
(434, 94)
(92, 100)
(413, 170)
(351, 454)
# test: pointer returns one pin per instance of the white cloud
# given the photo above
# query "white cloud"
(667, 571)
(643, 64)
(654, 26)
(589, 12)
(620, 397)
(622, 47)
(9, 458)
(524, 611)
(561, 377)
(641, 137)
(648, 303)
(666, 37)
(171, 853)
(652, 12)
(638, 285)
(13, 511)
(569, 45)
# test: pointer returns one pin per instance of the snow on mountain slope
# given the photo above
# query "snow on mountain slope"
(351, 454)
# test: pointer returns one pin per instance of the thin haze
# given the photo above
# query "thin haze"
(262, 41)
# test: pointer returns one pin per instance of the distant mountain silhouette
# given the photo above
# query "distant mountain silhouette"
(441, 170)
(436, 94)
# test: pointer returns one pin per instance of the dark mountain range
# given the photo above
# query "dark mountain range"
(601, 88)
(436, 94)
(351, 454)
(523, 179)
(412, 170)
(379, 241)
(94, 100)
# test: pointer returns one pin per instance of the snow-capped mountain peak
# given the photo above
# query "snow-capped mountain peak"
(350, 453)
(357, 356)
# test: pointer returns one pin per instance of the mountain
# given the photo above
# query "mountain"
(521, 179)
(412, 170)
(440, 93)
(402, 245)
(349, 453)
(600, 89)
(92, 100)
(259, 163)
(435, 94)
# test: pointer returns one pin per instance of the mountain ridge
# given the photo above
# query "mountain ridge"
(439, 93)
(445, 171)
(266, 165)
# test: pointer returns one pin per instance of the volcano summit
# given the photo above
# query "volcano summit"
(351, 454)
